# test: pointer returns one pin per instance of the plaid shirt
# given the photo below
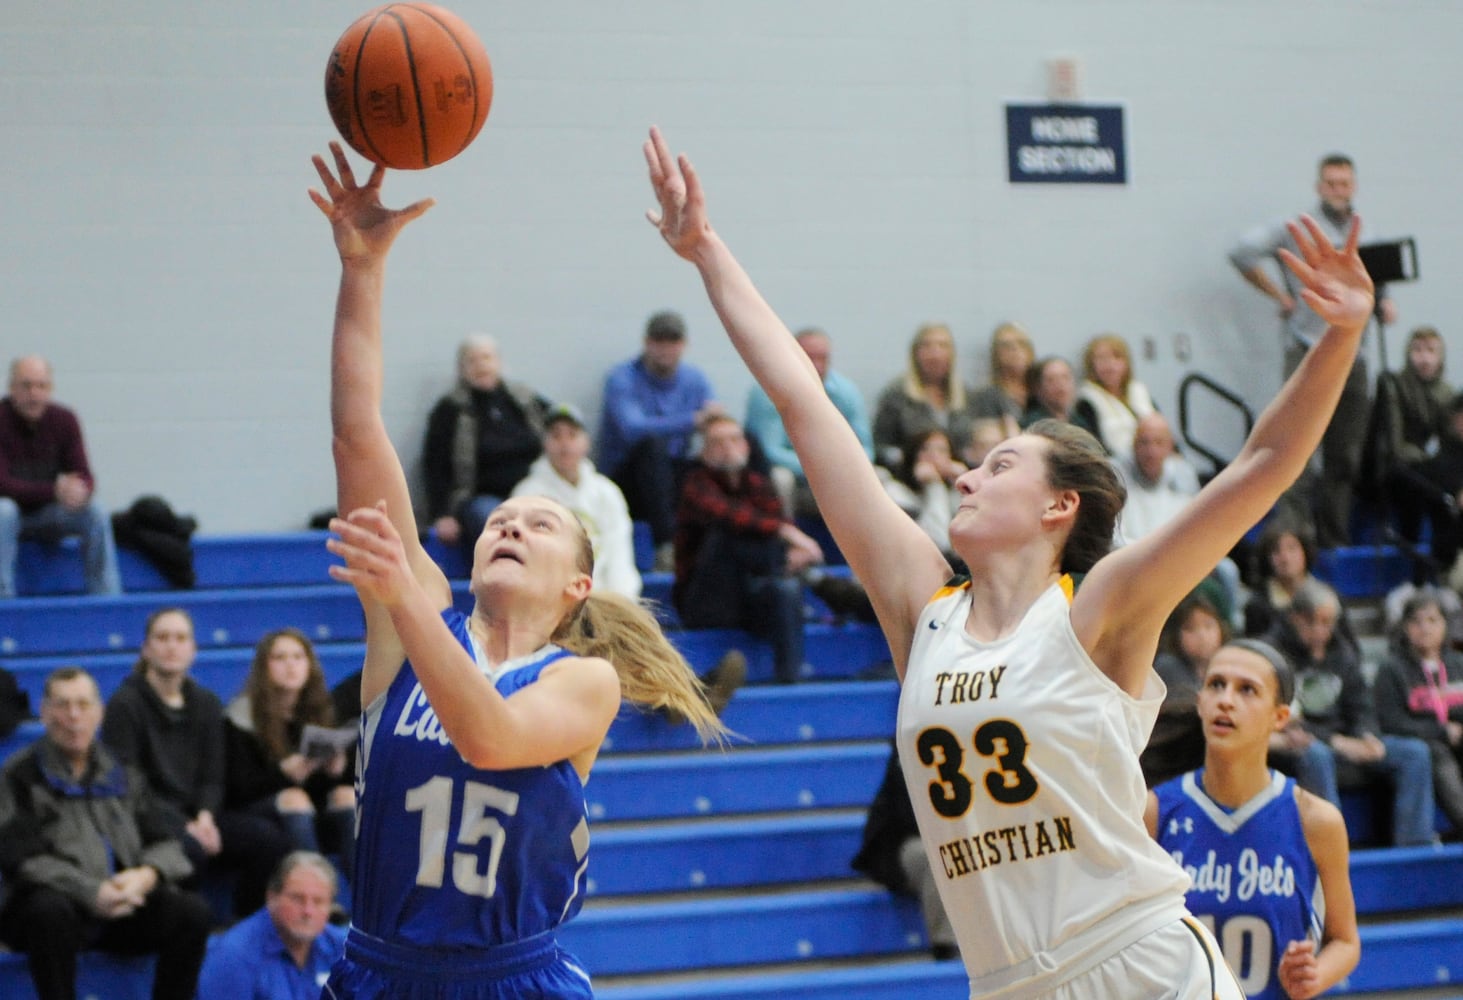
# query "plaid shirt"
(709, 497)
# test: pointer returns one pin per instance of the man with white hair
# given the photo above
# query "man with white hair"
(481, 439)
(285, 950)
(46, 484)
(1160, 483)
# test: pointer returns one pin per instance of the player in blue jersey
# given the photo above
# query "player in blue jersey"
(1024, 700)
(478, 731)
(1268, 859)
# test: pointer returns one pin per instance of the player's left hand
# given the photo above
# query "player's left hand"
(1337, 286)
(682, 217)
(1298, 972)
(364, 228)
(375, 559)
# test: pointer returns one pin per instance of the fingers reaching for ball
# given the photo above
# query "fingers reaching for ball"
(364, 228)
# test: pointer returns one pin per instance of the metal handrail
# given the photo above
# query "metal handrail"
(1203, 381)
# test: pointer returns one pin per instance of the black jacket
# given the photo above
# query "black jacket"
(181, 751)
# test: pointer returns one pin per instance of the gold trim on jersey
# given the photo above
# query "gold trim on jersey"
(1069, 587)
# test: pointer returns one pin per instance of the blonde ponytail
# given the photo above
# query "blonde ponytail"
(653, 673)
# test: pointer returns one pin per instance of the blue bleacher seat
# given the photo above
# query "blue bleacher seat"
(294, 558)
(1410, 955)
(1388, 880)
(679, 857)
(98, 975)
(762, 715)
(644, 543)
(713, 783)
(1363, 572)
(743, 930)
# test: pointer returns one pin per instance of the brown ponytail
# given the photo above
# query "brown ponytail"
(1076, 461)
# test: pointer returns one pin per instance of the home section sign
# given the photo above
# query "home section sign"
(1066, 144)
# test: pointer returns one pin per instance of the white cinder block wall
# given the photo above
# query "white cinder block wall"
(158, 246)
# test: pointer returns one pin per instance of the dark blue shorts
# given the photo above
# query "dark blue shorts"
(532, 969)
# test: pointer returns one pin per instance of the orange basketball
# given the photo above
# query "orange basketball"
(409, 85)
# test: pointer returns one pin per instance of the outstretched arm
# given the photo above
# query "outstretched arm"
(367, 469)
(897, 562)
(1124, 600)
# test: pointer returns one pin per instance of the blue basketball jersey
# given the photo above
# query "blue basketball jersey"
(452, 856)
(1254, 882)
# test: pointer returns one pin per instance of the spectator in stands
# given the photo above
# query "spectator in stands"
(892, 855)
(1219, 818)
(481, 438)
(1416, 697)
(1444, 471)
(1053, 395)
(924, 484)
(929, 394)
(1285, 558)
(1007, 394)
(985, 434)
(1160, 483)
(737, 555)
(1333, 739)
(653, 405)
(166, 724)
(1191, 636)
(765, 426)
(46, 486)
(87, 858)
(1117, 400)
(565, 473)
(1410, 421)
(1341, 448)
(285, 950)
(308, 795)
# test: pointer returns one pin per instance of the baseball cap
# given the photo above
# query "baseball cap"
(564, 411)
(666, 325)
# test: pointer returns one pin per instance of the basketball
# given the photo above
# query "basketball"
(408, 85)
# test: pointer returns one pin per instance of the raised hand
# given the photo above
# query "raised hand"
(681, 218)
(375, 559)
(364, 228)
(1337, 286)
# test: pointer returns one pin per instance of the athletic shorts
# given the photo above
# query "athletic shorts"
(1179, 961)
(533, 969)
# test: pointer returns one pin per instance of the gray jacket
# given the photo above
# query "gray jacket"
(73, 834)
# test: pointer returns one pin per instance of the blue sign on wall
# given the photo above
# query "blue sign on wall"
(1065, 144)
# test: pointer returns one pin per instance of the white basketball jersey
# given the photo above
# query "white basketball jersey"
(1021, 758)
